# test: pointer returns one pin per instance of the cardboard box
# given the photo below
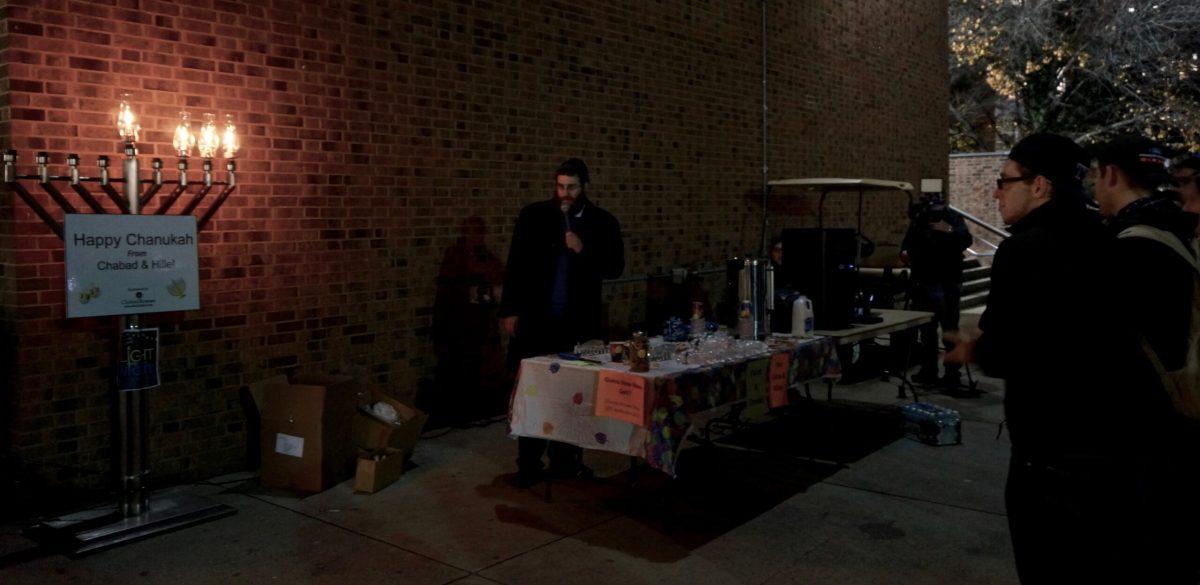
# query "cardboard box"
(375, 434)
(306, 431)
(378, 470)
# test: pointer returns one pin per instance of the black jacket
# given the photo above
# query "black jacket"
(538, 240)
(1153, 281)
(1154, 284)
(1048, 331)
(936, 256)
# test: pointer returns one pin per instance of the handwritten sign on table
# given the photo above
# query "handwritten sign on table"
(778, 380)
(622, 396)
(756, 387)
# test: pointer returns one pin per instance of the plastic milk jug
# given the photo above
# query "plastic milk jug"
(802, 317)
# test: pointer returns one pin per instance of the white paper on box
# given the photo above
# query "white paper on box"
(289, 445)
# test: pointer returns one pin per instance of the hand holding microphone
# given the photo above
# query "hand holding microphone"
(572, 241)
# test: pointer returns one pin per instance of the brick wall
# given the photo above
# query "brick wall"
(387, 149)
(972, 182)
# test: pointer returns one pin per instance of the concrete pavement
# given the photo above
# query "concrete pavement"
(828, 494)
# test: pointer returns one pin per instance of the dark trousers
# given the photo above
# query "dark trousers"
(1074, 522)
(942, 299)
(534, 338)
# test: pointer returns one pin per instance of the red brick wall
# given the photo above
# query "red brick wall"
(373, 131)
(972, 182)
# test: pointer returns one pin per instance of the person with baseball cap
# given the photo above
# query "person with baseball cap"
(1150, 261)
(1044, 333)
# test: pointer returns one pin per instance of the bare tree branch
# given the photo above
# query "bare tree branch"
(1075, 66)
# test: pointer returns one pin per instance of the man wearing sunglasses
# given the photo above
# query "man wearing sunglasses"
(1044, 332)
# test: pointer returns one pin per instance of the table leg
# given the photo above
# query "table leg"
(972, 385)
(901, 370)
(903, 373)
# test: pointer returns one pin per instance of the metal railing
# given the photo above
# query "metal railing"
(988, 244)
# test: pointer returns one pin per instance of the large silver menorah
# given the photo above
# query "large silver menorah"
(134, 201)
(137, 514)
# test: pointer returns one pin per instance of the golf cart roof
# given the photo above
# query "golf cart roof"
(830, 184)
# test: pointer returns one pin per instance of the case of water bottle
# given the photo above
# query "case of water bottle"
(932, 424)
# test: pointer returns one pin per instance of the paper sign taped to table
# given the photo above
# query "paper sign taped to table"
(778, 380)
(757, 373)
(621, 396)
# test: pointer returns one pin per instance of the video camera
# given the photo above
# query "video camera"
(931, 207)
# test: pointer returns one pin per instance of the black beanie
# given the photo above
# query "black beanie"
(1058, 159)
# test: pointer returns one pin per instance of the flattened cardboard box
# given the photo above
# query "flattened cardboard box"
(306, 432)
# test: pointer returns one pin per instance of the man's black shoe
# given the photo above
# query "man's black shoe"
(524, 480)
(581, 471)
(959, 391)
(925, 377)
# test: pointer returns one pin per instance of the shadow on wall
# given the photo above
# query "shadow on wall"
(470, 380)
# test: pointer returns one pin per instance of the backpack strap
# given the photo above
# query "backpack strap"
(1169, 240)
(1163, 237)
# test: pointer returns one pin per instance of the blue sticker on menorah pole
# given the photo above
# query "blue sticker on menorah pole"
(138, 366)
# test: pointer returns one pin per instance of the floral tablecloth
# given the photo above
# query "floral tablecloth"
(556, 399)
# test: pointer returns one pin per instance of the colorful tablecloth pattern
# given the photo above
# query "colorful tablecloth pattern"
(556, 399)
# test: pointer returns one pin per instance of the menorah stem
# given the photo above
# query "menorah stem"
(216, 204)
(195, 202)
(37, 208)
(132, 404)
(133, 185)
(111, 191)
(171, 199)
(57, 196)
(87, 198)
(150, 193)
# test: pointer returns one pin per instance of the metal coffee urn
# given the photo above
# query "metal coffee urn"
(752, 279)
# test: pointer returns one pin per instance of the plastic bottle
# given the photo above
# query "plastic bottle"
(745, 326)
(802, 317)
(698, 322)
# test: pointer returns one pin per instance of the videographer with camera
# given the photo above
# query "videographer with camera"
(933, 248)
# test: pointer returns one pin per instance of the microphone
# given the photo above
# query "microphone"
(565, 206)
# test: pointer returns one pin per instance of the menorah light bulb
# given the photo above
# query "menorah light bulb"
(126, 122)
(184, 140)
(230, 139)
(209, 141)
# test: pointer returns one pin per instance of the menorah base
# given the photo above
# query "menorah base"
(103, 527)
